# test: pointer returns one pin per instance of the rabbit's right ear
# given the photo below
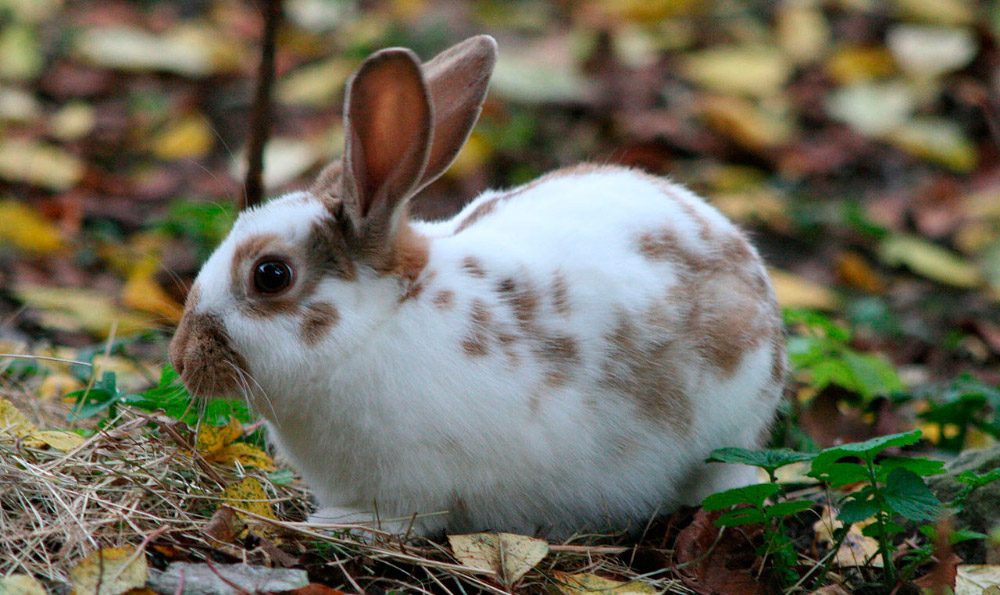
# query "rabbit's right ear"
(387, 123)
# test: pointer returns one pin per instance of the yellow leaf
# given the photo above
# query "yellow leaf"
(853, 64)
(21, 584)
(110, 571)
(74, 121)
(510, 556)
(856, 549)
(937, 140)
(212, 439)
(62, 440)
(55, 386)
(315, 85)
(247, 494)
(748, 124)
(143, 293)
(13, 423)
(576, 584)
(75, 309)
(39, 164)
(472, 156)
(248, 455)
(929, 260)
(797, 292)
(188, 138)
(757, 71)
(26, 230)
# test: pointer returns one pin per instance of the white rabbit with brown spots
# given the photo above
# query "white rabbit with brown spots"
(557, 357)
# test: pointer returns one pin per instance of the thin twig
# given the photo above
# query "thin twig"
(260, 117)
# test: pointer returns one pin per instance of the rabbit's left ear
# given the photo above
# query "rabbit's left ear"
(457, 80)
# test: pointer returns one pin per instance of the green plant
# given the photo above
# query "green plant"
(205, 223)
(749, 505)
(965, 404)
(822, 354)
(169, 396)
(890, 488)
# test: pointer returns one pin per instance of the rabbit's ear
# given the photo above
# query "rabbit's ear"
(457, 79)
(387, 123)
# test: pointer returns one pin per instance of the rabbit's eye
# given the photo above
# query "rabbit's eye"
(272, 276)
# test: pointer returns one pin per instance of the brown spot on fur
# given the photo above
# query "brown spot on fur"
(558, 349)
(479, 212)
(472, 266)
(778, 365)
(522, 298)
(560, 294)
(416, 287)
(319, 319)
(476, 344)
(243, 255)
(444, 299)
(556, 378)
(412, 252)
(481, 315)
(648, 370)
(203, 357)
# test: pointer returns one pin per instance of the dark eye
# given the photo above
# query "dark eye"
(272, 276)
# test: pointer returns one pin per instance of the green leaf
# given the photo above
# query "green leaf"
(867, 449)
(102, 396)
(875, 531)
(977, 480)
(838, 474)
(740, 516)
(753, 495)
(769, 460)
(960, 535)
(787, 508)
(907, 494)
(919, 465)
(873, 376)
(857, 508)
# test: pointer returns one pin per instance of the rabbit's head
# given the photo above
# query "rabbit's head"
(315, 270)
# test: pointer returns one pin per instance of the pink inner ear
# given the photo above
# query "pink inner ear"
(388, 119)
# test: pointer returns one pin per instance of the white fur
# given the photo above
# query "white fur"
(388, 412)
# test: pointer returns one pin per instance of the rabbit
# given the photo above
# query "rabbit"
(555, 358)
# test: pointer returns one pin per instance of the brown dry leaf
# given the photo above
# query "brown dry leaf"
(577, 584)
(852, 64)
(247, 494)
(757, 71)
(712, 565)
(39, 164)
(936, 140)
(74, 309)
(854, 271)
(143, 293)
(25, 229)
(510, 556)
(803, 31)
(224, 526)
(62, 440)
(110, 571)
(929, 260)
(856, 549)
(794, 291)
(941, 12)
(21, 584)
(975, 579)
(188, 138)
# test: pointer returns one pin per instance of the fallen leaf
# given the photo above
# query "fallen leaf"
(510, 556)
(315, 589)
(13, 422)
(794, 291)
(110, 571)
(245, 454)
(224, 526)
(194, 50)
(73, 121)
(937, 140)
(854, 64)
(226, 579)
(25, 229)
(211, 439)
(543, 72)
(975, 579)
(74, 309)
(62, 440)
(187, 138)
(758, 71)
(284, 159)
(856, 549)
(21, 584)
(142, 292)
(247, 494)
(746, 122)
(18, 105)
(803, 31)
(39, 164)
(315, 85)
(854, 270)
(941, 12)
(929, 260)
(923, 51)
(21, 51)
(872, 109)
(577, 584)
(708, 564)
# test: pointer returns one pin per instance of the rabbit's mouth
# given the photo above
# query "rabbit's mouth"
(201, 353)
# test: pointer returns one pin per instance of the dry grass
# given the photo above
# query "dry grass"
(136, 482)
